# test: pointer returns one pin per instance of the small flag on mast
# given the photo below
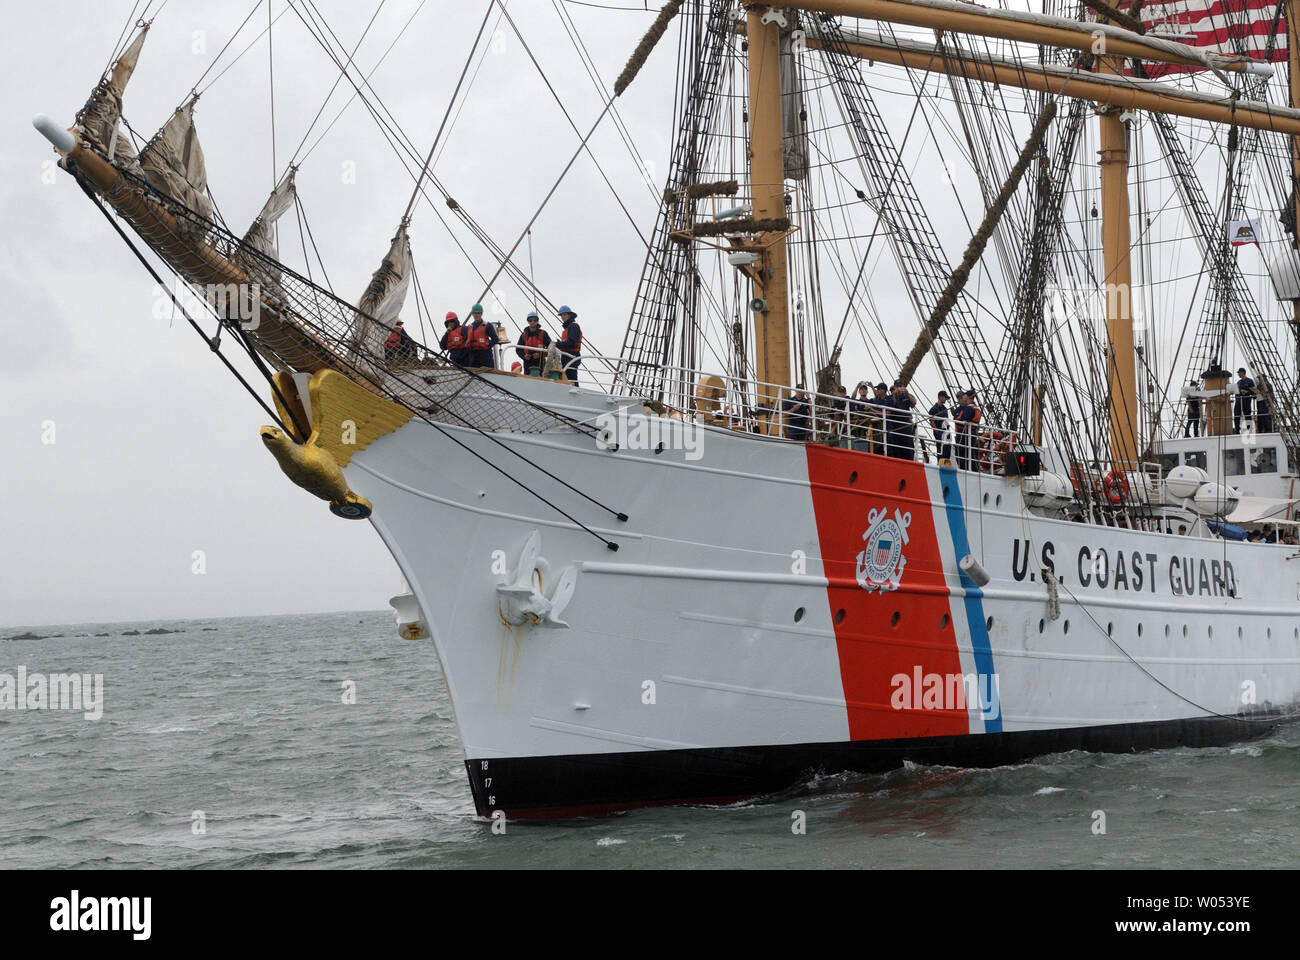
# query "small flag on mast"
(1243, 232)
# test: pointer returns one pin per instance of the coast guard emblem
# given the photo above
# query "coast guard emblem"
(880, 565)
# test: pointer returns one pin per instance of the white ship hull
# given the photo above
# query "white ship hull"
(748, 628)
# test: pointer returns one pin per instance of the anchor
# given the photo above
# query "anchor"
(522, 599)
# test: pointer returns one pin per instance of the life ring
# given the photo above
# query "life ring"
(1002, 445)
(984, 451)
(1114, 486)
(994, 445)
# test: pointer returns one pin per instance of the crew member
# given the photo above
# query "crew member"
(877, 408)
(1263, 406)
(1193, 428)
(453, 341)
(392, 343)
(532, 345)
(399, 345)
(901, 442)
(939, 415)
(570, 343)
(967, 415)
(1242, 406)
(480, 338)
(794, 411)
(839, 409)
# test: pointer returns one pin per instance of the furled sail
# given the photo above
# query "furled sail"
(382, 300)
(100, 120)
(261, 235)
(794, 139)
(173, 161)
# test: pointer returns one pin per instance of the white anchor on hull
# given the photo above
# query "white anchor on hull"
(522, 600)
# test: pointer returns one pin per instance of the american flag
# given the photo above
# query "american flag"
(1251, 28)
(883, 549)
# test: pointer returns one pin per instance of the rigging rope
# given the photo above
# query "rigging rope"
(213, 343)
(419, 180)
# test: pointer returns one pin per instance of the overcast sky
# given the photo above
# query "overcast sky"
(155, 451)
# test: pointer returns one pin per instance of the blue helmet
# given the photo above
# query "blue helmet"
(565, 308)
(532, 315)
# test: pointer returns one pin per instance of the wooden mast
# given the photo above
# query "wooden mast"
(1121, 364)
(767, 184)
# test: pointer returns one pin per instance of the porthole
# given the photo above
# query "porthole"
(1139, 629)
(1065, 627)
(1240, 634)
(839, 617)
(798, 615)
(1269, 633)
(853, 478)
(893, 621)
(1166, 629)
(945, 491)
(943, 622)
(986, 499)
(1209, 632)
(1110, 629)
(1184, 630)
(997, 501)
(988, 624)
(901, 485)
(1042, 625)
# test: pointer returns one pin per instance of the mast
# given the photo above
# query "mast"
(767, 185)
(1121, 364)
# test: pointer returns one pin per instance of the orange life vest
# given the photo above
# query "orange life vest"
(394, 341)
(455, 338)
(477, 337)
(531, 339)
(576, 348)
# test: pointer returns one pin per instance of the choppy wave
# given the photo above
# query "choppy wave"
(229, 745)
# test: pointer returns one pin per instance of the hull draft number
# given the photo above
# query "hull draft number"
(880, 564)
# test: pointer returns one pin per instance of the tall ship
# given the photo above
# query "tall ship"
(700, 568)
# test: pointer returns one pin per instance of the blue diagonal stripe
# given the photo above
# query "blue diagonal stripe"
(979, 633)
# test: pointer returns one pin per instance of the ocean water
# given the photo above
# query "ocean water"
(245, 720)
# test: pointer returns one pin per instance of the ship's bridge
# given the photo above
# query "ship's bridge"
(1254, 463)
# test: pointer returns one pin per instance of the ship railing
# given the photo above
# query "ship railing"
(1141, 485)
(764, 409)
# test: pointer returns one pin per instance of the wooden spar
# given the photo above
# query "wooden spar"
(197, 261)
(767, 183)
(1008, 25)
(1121, 362)
(1030, 76)
(948, 299)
